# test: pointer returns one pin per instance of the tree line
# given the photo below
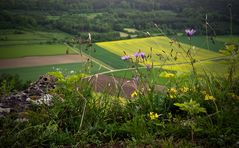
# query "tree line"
(112, 16)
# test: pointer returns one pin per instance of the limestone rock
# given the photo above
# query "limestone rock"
(37, 93)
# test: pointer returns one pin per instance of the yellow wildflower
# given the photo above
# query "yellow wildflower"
(172, 96)
(172, 93)
(167, 75)
(134, 94)
(172, 90)
(184, 89)
(209, 98)
(153, 116)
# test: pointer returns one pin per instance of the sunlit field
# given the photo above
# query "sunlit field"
(159, 45)
(172, 54)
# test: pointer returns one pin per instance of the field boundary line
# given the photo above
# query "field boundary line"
(158, 66)
(93, 59)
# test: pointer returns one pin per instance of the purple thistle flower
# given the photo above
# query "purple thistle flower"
(190, 32)
(126, 57)
(142, 55)
(137, 54)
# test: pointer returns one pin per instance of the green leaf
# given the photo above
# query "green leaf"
(191, 107)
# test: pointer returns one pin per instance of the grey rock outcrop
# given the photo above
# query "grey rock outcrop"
(36, 93)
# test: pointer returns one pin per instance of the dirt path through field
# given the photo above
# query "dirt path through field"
(41, 61)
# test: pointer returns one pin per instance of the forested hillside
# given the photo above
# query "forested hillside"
(107, 18)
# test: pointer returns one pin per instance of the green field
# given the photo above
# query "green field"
(21, 43)
(205, 43)
(229, 39)
(88, 15)
(14, 44)
(218, 68)
(32, 73)
(130, 30)
(29, 35)
(107, 57)
(214, 67)
(111, 52)
(123, 34)
(32, 50)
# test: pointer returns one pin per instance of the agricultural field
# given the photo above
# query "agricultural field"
(32, 53)
(18, 43)
(161, 46)
(109, 58)
(219, 68)
(33, 73)
(213, 44)
(88, 15)
(228, 39)
(17, 51)
(130, 30)
(123, 34)
(41, 60)
(11, 35)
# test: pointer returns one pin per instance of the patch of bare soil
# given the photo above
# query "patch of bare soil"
(41, 61)
(119, 86)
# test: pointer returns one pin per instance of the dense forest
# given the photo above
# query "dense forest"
(106, 18)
